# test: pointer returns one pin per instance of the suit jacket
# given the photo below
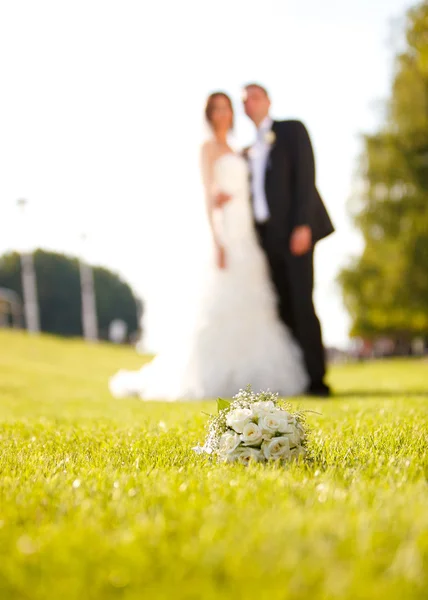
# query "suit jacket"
(291, 193)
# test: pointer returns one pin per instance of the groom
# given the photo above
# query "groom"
(290, 218)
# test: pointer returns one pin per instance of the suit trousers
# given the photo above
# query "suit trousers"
(293, 278)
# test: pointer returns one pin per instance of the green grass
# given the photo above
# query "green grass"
(104, 499)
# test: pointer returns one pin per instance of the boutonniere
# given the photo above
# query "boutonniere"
(270, 137)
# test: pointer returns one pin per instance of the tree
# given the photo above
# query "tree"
(386, 289)
(58, 288)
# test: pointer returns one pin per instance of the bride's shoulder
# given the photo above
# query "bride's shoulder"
(209, 151)
(207, 154)
(216, 147)
(212, 152)
(208, 145)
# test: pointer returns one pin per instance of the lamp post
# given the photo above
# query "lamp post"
(89, 308)
(29, 283)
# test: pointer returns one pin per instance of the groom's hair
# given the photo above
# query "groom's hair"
(258, 86)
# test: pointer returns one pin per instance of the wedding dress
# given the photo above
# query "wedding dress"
(236, 337)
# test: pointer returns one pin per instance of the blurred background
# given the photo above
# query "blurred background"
(101, 210)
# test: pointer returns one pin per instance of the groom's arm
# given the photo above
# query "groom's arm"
(304, 186)
(304, 174)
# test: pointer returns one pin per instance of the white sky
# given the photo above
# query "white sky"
(101, 116)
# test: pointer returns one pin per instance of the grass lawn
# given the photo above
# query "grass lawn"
(104, 499)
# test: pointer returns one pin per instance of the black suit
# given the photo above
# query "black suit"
(293, 200)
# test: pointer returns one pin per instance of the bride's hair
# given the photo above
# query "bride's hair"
(209, 107)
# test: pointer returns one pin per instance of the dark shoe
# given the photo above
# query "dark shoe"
(318, 389)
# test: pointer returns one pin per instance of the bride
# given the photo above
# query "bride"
(236, 338)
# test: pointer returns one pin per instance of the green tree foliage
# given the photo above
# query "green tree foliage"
(58, 290)
(386, 289)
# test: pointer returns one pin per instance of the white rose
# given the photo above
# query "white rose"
(238, 418)
(285, 426)
(270, 424)
(252, 435)
(294, 440)
(246, 455)
(266, 405)
(283, 418)
(229, 442)
(276, 448)
(260, 409)
(294, 437)
(284, 414)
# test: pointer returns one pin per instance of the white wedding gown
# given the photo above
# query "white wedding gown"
(236, 338)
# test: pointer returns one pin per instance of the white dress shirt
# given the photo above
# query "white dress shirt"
(258, 155)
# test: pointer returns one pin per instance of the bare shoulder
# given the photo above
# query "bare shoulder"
(208, 149)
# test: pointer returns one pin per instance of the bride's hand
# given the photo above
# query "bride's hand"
(220, 257)
(220, 199)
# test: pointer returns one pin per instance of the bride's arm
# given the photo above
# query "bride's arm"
(208, 157)
(214, 211)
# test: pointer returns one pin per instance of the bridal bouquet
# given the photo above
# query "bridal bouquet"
(255, 427)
